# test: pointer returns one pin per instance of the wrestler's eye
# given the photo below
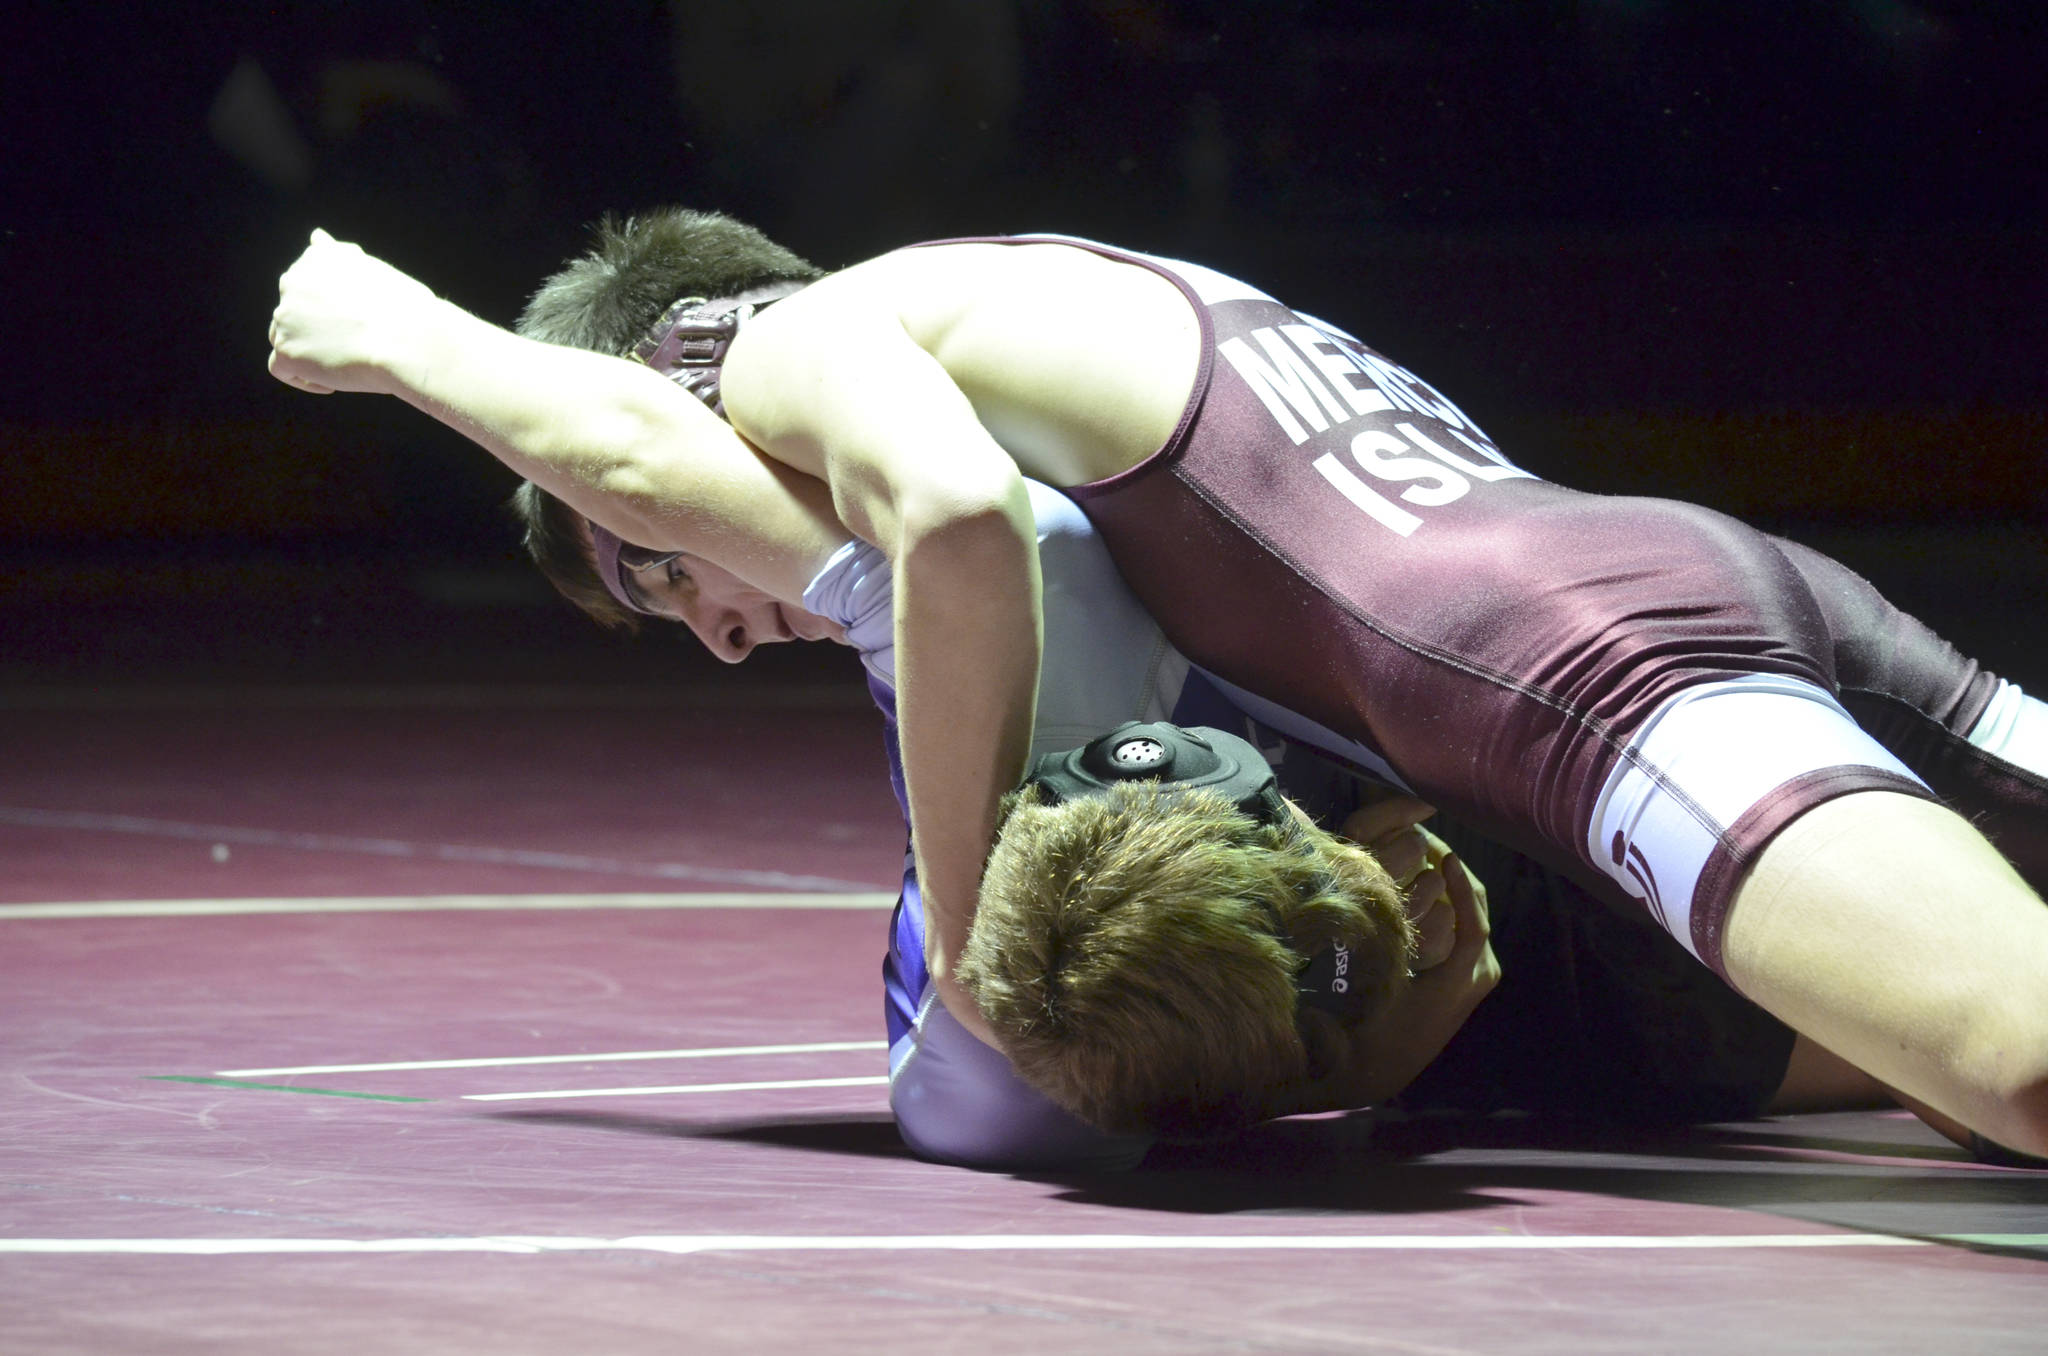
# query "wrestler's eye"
(673, 573)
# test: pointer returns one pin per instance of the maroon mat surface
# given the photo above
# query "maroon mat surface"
(169, 1183)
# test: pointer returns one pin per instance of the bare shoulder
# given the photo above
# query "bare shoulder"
(1078, 364)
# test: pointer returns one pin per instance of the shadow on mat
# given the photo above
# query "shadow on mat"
(1802, 1169)
(861, 1136)
(1811, 1172)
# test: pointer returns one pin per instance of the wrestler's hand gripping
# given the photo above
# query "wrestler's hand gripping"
(1369, 1062)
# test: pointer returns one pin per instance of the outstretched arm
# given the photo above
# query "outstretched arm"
(621, 445)
(910, 469)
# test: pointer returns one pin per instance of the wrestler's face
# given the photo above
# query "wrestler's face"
(728, 614)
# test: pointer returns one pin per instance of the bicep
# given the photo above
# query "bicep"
(838, 388)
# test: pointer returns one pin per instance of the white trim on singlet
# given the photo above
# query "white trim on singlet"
(1702, 759)
(1211, 287)
(2014, 727)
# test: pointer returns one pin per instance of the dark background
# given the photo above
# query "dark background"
(1784, 257)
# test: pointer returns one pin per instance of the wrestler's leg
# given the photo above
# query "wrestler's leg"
(1979, 742)
(1888, 930)
(1820, 1080)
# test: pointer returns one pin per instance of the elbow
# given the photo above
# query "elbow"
(975, 565)
(626, 444)
(983, 522)
(626, 462)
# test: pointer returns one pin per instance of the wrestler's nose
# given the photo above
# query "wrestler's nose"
(730, 639)
(724, 632)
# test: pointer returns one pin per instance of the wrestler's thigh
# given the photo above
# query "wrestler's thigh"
(1887, 929)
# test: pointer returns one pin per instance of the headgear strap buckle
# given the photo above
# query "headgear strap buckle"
(689, 343)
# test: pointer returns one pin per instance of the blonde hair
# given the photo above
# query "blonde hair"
(1136, 952)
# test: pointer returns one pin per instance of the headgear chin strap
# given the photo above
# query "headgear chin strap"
(1197, 758)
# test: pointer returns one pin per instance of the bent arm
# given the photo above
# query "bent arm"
(613, 439)
(829, 381)
(1372, 1061)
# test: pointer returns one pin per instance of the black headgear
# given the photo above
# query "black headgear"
(1197, 758)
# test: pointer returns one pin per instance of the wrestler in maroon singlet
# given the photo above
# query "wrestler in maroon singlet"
(1328, 532)
(1638, 691)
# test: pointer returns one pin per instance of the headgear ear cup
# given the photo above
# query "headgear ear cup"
(1183, 759)
(1326, 982)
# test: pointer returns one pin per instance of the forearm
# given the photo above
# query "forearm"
(614, 440)
(582, 425)
(587, 428)
(912, 470)
(967, 651)
(625, 448)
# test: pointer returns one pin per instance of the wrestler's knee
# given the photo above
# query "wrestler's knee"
(2007, 1057)
(2001, 1049)
(1887, 929)
(2031, 1138)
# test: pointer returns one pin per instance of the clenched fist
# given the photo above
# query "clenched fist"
(343, 319)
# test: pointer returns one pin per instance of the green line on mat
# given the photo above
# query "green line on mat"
(282, 1087)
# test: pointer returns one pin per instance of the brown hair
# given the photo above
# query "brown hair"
(1136, 952)
(638, 266)
(606, 301)
(558, 539)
